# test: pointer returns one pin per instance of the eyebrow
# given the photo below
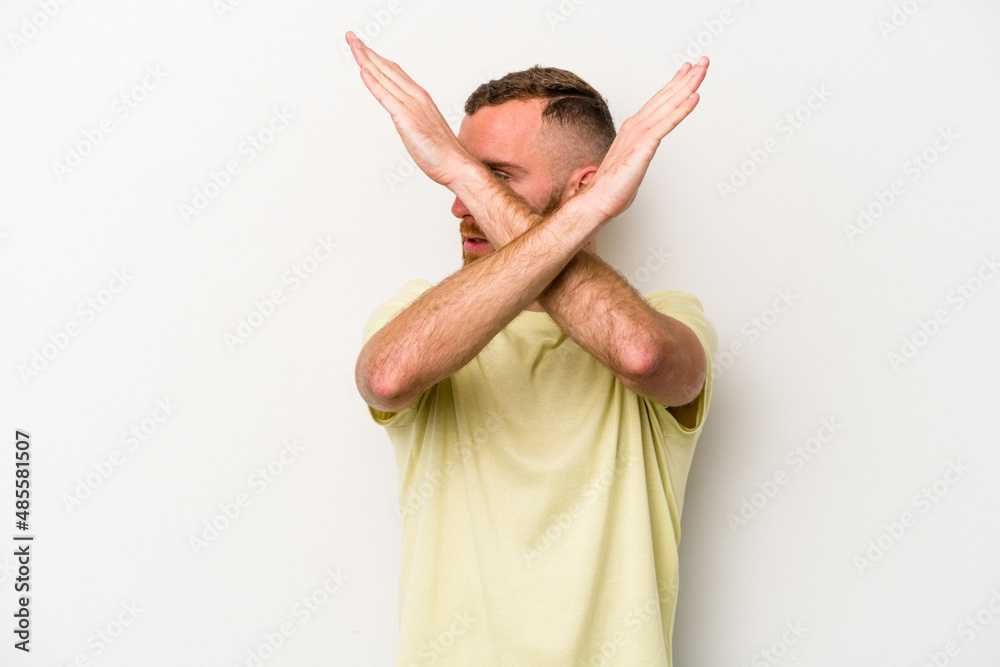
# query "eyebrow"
(503, 166)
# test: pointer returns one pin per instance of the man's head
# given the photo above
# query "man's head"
(544, 131)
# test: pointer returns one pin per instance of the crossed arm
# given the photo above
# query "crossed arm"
(536, 258)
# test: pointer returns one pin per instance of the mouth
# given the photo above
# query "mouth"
(472, 244)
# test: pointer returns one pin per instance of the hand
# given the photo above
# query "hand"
(615, 183)
(425, 133)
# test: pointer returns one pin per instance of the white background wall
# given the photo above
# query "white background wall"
(116, 302)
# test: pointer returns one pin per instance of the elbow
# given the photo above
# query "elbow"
(378, 387)
(673, 372)
(644, 361)
(697, 374)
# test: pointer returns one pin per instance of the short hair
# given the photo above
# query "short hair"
(573, 104)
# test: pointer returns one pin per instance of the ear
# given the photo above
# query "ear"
(578, 179)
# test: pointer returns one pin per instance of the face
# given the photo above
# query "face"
(508, 138)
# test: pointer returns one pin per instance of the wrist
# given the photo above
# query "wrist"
(499, 212)
(471, 182)
(587, 216)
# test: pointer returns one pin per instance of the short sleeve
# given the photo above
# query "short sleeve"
(381, 316)
(686, 309)
(387, 310)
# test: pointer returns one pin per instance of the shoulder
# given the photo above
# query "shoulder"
(414, 287)
(391, 307)
(687, 309)
(673, 300)
(682, 306)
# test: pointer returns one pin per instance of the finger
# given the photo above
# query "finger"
(682, 72)
(389, 73)
(676, 115)
(376, 67)
(368, 68)
(373, 76)
(696, 72)
(661, 104)
(357, 49)
(683, 75)
(670, 110)
(703, 61)
(382, 86)
(389, 102)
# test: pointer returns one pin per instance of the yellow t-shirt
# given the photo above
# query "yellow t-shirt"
(541, 503)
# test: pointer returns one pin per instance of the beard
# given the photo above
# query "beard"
(551, 206)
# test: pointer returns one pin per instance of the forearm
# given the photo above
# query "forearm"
(654, 355)
(448, 325)
(603, 314)
(589, 301)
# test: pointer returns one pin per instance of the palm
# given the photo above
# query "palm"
(616, 182)
(420, 124)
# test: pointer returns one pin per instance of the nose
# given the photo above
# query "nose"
(458, 209)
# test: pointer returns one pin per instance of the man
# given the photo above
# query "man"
(543, 413)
